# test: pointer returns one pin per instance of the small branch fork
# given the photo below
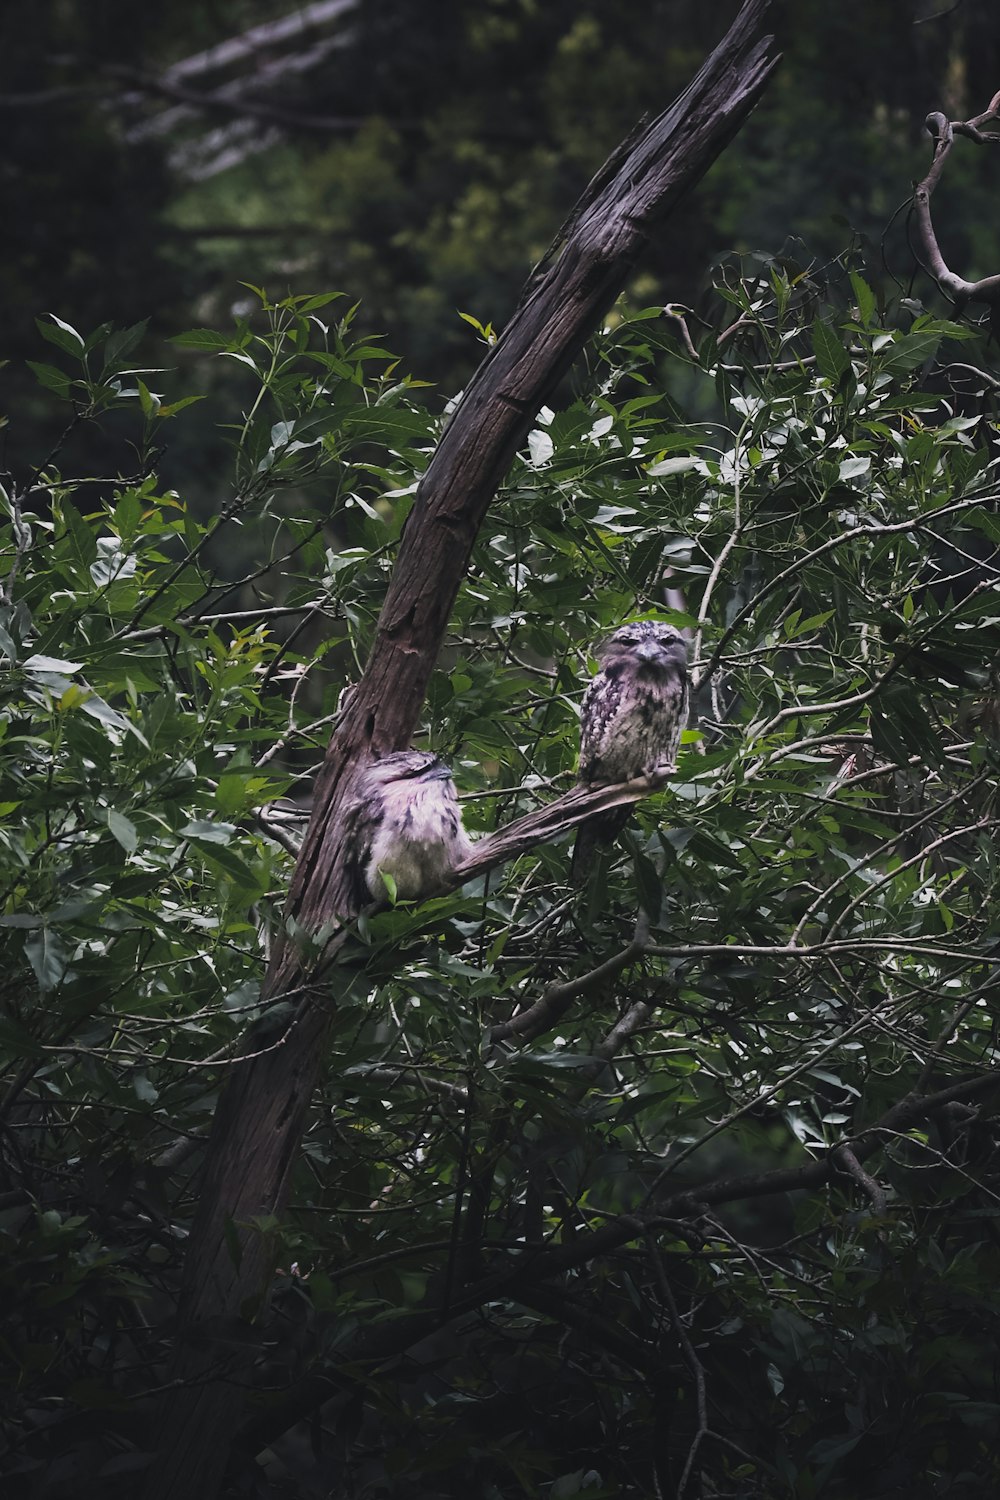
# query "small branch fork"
(944, 131)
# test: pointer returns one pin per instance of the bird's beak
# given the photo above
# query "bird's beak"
(437, 772)
(656, 653)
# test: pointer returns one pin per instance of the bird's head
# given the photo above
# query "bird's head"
(653, 644)
(407, 765)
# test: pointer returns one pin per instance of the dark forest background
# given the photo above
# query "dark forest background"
(421, 157)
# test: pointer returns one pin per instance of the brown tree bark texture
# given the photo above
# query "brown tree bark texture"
(261, 1116)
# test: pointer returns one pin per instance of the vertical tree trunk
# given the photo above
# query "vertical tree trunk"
(260, 1119)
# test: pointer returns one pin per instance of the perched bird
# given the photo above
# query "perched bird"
(631, 720)
(406, 824)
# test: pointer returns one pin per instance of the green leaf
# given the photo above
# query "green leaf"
(323, 299)
(540, 448)
(43, 664)
(63, 335)
(149, 402)
(83, 540)
(203, 338)
(121, 343)
(123, 830)
(865, 299)
(649, 888)
(171, 408)
(51, 378)
(47, 957)
(666, 466)
(144, 1089)
(209, 831)
(230, 864)
(909, 350)
(832, 359)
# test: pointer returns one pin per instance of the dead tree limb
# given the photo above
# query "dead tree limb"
(261, 1115)
(944, 131)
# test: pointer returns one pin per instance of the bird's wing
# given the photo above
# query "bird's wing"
(600, 707)
(360, 824)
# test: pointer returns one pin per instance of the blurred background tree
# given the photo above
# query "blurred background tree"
(153, 159)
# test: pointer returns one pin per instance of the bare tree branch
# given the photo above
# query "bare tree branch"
(263, 39)
(230, 100)
(557, 999)
(844, 1158)
(943, 130)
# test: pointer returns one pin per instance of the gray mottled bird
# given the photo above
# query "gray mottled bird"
(631, 720)
(406, 824)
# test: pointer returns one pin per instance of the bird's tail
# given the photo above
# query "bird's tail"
(591, 836)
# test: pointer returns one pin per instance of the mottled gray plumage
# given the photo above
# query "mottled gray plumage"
(631, 720)
(406, 824)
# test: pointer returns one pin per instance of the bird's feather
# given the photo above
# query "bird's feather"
(405, 823)
(631, 720)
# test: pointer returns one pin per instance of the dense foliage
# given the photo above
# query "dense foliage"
(720, 1217)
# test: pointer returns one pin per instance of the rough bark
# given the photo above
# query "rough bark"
(261, 1115)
